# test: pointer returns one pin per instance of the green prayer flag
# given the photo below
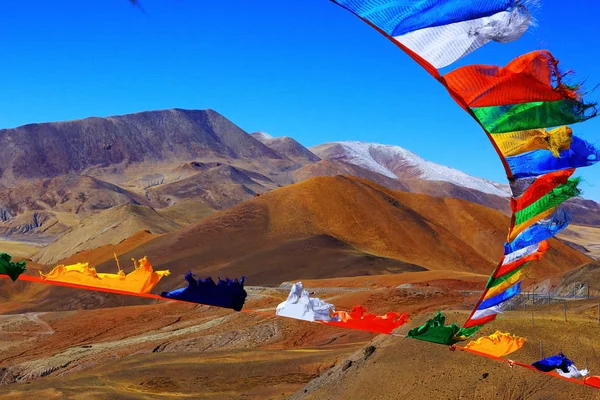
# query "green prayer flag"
(435, 331)
(533, 115)
(12, 269)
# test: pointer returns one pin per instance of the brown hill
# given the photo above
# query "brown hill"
(108, 227)
(317, 228)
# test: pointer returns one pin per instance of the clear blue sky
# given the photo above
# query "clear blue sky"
(306, 69)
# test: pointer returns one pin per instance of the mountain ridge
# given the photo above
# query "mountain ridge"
(400, 163)
(51, 149)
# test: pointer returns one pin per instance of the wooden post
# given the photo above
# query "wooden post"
(533, 297)
(117, 259)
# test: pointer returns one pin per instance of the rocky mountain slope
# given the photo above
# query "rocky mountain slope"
(53, 149)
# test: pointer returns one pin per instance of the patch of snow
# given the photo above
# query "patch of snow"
(366, 155)
(359, 153)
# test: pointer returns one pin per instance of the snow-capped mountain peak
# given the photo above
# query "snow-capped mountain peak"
(398, 163)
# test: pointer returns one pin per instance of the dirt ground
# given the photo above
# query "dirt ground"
(178, 350)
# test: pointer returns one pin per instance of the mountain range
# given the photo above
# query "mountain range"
(55, 176)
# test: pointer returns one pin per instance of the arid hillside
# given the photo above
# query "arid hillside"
(341, 226)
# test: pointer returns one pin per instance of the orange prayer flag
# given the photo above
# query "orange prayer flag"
(497, 344)
(141, 280)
